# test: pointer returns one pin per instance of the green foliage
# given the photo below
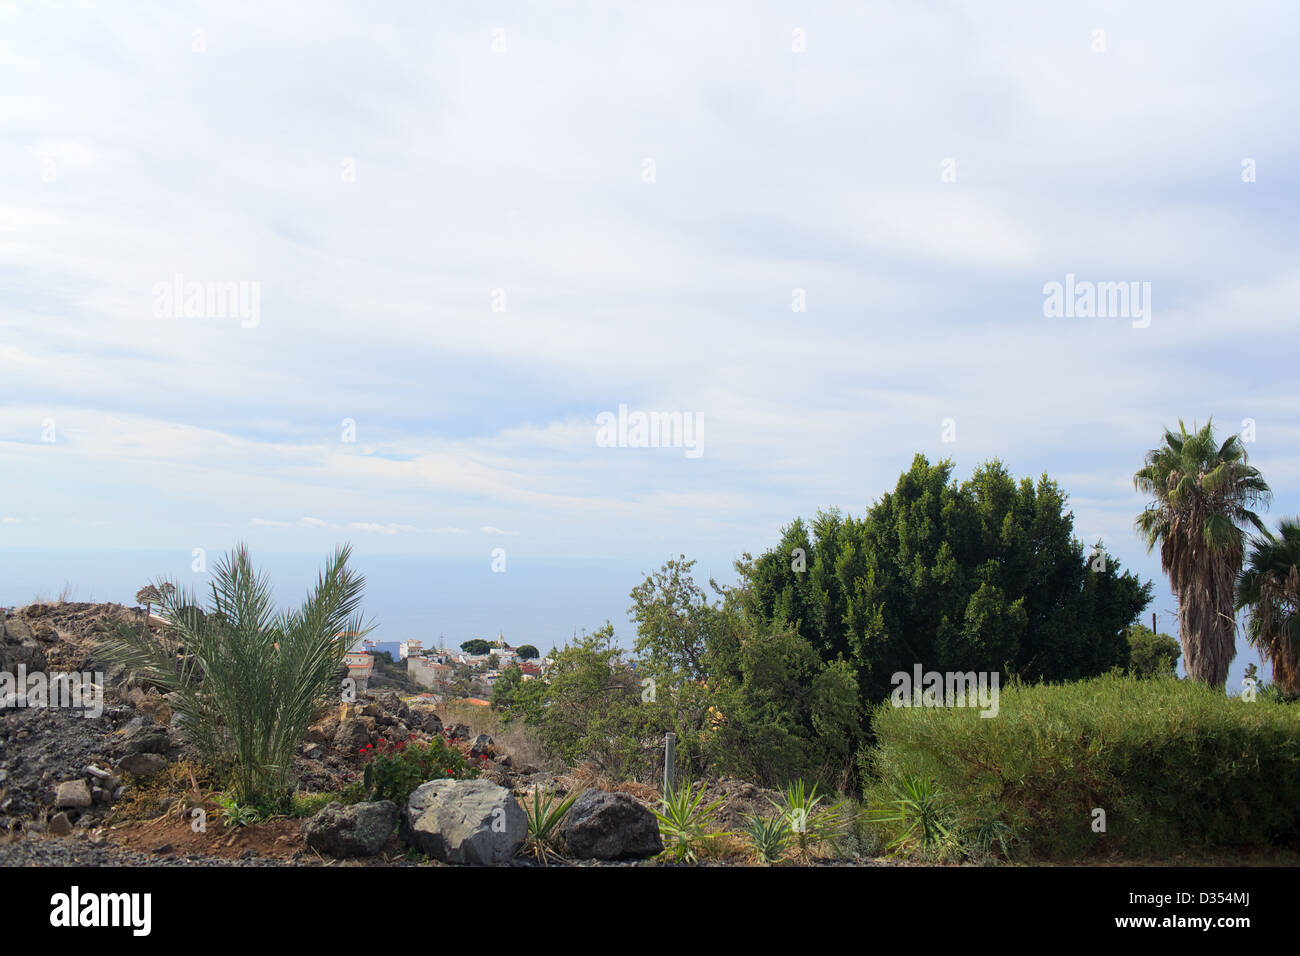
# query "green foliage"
(684, 822)
(248, 680)
(590, 708)
(744, 699)
(812, 825)
(234, 814)
(476, 647)
(304, 805)
(769, 837)
(545, 818)
(983, 576)
(1269, 590)
(1152, 654)
(527, 652)
(914, 817)
(395, 768)
(1174, 765)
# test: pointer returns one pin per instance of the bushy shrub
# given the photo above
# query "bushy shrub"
(395, 768)
(1174, 765)
(1152, 654)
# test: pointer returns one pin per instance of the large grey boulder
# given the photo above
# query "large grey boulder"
(464, 821)
(359, 830)
(611, 826)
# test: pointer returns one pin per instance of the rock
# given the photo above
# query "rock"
(464, 821)
(482, 746)
(73, 793)
(323, 732)
(16, 630)
(359, 830)
(611, 826)
(351, 736)
(372, 710)
(28, 654)
(60, 825)
(142, 765)
(148, 740)
(431, 723)
(459, 732)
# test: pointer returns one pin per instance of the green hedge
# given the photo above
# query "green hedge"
(1175, 765)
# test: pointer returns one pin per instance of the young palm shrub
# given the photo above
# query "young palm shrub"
(684, 822)
(1269, 589)
(247, 679)
(811, 824)
(544, 821)
(916, 817)
(768, 837)
(1203, 493)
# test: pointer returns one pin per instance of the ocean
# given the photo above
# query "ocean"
(440, 600)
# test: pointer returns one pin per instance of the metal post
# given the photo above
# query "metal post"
(670, 755)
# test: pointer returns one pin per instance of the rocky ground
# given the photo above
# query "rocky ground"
(112, 788)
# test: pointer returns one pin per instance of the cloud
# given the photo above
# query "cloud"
(775, 172)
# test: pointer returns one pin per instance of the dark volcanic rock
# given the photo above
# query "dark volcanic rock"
(611, 826)
(359, 830)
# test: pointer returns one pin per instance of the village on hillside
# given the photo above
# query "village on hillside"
(440, 675)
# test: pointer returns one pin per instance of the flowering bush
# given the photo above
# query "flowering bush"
(395, 768)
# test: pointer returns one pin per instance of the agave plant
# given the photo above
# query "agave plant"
(917, 814)
(684, 822)
(769, 837)
(247, 680)
(544, 820)
(810, 823)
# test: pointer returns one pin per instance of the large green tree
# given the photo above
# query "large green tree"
(1202, 496)
(982, 575)
(1269, 591)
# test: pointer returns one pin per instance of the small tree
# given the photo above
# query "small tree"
(1152, 654)
(250, 679)
(149, 595)
(527, 652)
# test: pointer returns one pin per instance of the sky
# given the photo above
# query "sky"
(823, 232)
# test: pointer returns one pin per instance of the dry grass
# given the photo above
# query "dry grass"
(519, 741)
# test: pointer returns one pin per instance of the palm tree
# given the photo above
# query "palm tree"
(1203, 494)
(1269, 587)
(247, 679)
